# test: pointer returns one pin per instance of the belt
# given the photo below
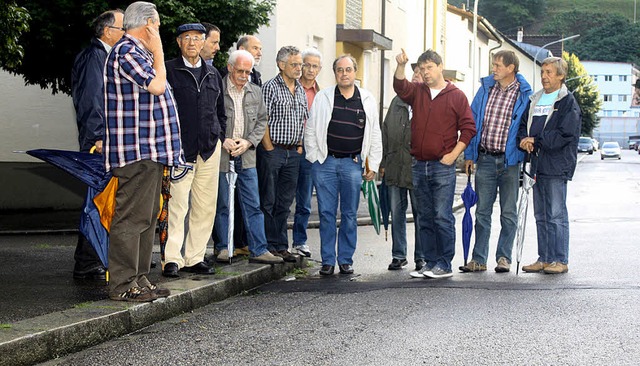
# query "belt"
(286, 147)
(482, 150)
(342, 156)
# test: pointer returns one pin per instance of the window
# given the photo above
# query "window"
(607, 113)
(608, 78)
(595, 77)
(622, 77)
(621, 113)
(622, 98)
(608, 97)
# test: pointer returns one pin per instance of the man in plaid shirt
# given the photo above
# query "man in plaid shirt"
(142, 136)
(497, 109)
(279, 154)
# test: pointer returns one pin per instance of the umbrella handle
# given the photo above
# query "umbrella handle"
(176, 176)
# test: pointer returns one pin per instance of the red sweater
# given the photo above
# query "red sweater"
(435, 123)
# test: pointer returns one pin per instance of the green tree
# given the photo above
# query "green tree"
(603, 36)
(14, 20)
(508, 15)
(59, 29)
(585, 91)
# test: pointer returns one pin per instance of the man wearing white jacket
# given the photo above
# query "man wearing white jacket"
(342, 133)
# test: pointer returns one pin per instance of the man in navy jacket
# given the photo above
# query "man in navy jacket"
(197, 88)
(87, 90)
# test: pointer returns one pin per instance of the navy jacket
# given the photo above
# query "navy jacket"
(513, 155)
(87, 91)
(200, 105)
(555, 152)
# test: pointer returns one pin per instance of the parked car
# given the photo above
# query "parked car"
(610, 149)
(585, 145)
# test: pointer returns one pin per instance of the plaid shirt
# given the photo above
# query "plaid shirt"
(139, 125)
(497, 118)
(287, 112)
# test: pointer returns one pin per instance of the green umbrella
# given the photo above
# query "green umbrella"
(370, 192)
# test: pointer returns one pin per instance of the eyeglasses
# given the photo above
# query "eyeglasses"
(312, 67)
(118, 28)
(245, 72)
(347, 70)
(295, 65)
(195, 39)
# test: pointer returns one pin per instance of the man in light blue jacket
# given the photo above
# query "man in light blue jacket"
(497, 110)
(342, 133)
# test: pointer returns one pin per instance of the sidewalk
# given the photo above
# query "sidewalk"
(45, 313)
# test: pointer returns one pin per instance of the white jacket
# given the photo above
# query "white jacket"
(315, 134)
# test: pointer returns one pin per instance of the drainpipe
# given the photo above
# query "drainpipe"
(382, 26)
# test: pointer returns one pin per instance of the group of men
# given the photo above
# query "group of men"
(144, 114)
(430, 123)
(282, 139)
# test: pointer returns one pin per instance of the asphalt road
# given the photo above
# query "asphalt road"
(378, 317)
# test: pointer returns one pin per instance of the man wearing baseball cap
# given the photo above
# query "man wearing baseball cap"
(197, 88)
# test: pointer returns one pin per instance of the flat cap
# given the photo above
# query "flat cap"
(190, 27)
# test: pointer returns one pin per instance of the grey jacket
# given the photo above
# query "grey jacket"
(396, 144)
(255, 123)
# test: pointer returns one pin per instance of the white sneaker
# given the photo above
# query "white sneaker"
(422, 273)
(303, 250)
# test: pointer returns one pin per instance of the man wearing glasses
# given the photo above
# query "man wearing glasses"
(311, 66)
(342, 137)
(197, 88)
(281, 148)
(87, 90)
(246, 123)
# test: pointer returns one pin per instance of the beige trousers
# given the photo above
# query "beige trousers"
(195, 195)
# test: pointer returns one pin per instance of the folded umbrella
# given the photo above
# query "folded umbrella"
(370, 193)
(528, 180)
(232, 177)
(385, 206)
(469, 198)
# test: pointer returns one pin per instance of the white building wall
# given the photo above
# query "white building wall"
(300, 23)
(615, 82)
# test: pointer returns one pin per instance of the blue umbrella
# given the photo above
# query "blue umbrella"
(469, 198)
(385, 205)
(88, 168)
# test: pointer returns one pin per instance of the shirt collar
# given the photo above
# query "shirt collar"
(189, 65)
(105, 45)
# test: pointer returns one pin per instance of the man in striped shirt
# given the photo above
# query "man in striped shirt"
(279, 154)
(142, 136)
(497, 109)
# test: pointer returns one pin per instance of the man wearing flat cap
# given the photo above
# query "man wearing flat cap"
(197, 88)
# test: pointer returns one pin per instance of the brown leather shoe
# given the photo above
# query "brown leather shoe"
(266, 258)
(284, 254)
(535, 267)
(556, 268)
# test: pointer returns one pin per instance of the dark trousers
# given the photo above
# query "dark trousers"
(134, 223)
(86, 257)
(277, 181)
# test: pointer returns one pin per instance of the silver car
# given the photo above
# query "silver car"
(610, 149)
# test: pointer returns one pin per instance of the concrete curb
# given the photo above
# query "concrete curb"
(53, 335)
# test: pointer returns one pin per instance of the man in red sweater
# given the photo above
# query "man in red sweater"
(441, 128)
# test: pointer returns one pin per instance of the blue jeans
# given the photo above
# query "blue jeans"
(552, 219)
(399, 204)
(333, 179)
(492, 176)
(247, 188)
(277, 180)
(303, 203)
(433, 188)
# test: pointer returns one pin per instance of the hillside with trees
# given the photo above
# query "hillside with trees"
(606, 27)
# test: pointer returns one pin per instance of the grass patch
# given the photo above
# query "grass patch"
(43, 246)
(225, 273)
(82, 305)
(5, 326)
(298, 273)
